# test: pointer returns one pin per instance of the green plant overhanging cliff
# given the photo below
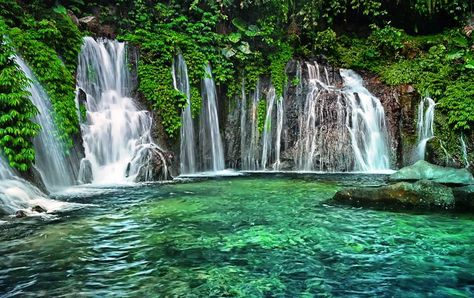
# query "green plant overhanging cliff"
(16, 109)
(50, 42)
(245, 40)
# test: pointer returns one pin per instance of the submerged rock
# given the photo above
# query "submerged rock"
(419, 195)
(423, 170)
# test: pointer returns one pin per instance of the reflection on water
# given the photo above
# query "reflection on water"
(247, 237)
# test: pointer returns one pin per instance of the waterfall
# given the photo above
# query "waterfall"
(425, 126)
(267, 128)
(212, 150)
(464, 151)
(340, 128)
(56, 168)
(367, 125)
(117, 135)
(250, 134)
(18, 194)
(187, 148)
(324, 142)
(279, 129)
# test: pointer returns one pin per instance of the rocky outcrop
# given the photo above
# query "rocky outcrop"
(93, 25)
(423, 170)
(425, 195)
(150, 163)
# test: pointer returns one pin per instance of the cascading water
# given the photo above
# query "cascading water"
(367, 126)
(250, 134)
(340, 129)
(467, 164)
(279, 130)
(188, 150)
(57, 169)
(117, 135)
(425, 126)
(18, 194)
(323, 143)
(267, 128)
(211, 148)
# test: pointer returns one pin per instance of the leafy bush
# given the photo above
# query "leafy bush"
(16, 110)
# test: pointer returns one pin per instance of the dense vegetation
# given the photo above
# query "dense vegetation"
(418, 42)
(49, 41)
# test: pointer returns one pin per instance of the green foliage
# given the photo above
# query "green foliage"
(48, 40)
(278, 68)
(261, 114)
(16, 110)
(458, 102)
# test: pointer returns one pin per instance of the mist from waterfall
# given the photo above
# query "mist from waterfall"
(117, 135)
(18, 194)
(210, 141)
(426, 111)
(187, 147)
(57, 168)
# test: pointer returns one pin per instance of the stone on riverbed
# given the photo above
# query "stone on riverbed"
(423, 170)
(419, 195)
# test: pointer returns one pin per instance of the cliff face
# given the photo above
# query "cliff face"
(324, 133)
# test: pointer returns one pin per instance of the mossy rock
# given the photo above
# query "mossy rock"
(423, 170)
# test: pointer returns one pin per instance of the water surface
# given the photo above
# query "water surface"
(244, 237)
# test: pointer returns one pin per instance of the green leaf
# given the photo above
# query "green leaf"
(235, 37)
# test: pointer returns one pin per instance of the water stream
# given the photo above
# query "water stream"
(117, 134)
(187, 148)
(57, 168)
(424, 126)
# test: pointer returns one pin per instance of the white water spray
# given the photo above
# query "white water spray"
(367, 125)
(117, 135)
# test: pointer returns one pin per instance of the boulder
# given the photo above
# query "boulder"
(20, 214)
(85, 172)
(423, 170)
(38, 209)
(464, 198)
(403, 195)
(90, 23)
(150, 163)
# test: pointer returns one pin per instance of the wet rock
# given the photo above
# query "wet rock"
(73, 18)
(38, 209)
(81, 96)
(150, 163)
(20, 214)
(90, 23)
(423, 170)
(404, 195)
(85, 172)
(464, 198)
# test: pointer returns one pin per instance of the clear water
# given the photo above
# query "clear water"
(237, 237)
